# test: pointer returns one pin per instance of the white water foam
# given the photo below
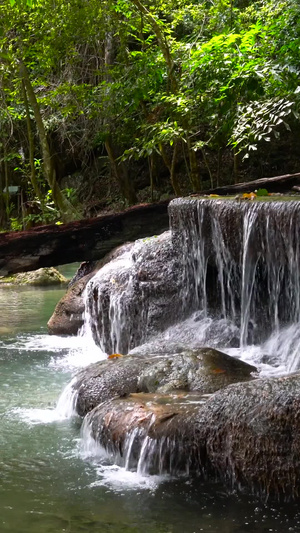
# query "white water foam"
(119, 479)
(64, 409)
(37, 416)
(69, 352)
(278, 355)
(109, 473)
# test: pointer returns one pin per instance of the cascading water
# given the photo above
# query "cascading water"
(125, 301)
(241, 262)
(237, 288)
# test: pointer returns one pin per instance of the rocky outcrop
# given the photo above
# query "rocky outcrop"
(204, 370)
(135, 296)
(67, 318)
(252, 435)
(131, 295)
(43, 277)
(246, 434)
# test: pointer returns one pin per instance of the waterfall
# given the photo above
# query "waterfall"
(240, 261)
(133, 296)
(105, 310)
(138, 452)
(237, 271)
(231, 260)
(65, 407)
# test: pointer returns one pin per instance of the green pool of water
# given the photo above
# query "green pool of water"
(47, 486)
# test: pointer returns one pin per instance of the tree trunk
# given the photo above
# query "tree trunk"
(208, 167)
(6, 182)
(279, 184)
(33, 179)
(66, 209)
(171, 165)
(162, 41)
(173, 173)
(83, 240)
(195, 174)
(235, 167)
(2, 206)
(121, 174)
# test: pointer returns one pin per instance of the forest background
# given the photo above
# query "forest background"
(104, 104)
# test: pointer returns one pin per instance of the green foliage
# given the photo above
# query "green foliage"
(261, 192)
(148, 77)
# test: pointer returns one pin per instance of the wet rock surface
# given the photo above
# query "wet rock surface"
(67, 318)
(252, 434)
(136, 296)
(151, 433)
(128, 300)
(204, 370)
(247, 434)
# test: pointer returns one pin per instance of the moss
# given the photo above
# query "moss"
(41, 277)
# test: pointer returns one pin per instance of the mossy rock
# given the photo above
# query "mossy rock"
(43, 277)
(204, 370)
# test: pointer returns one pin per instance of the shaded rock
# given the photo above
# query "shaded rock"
(204, 370)
(247, 434)
(42, 277)
(252, 434)
(67, 318)
(84, 269)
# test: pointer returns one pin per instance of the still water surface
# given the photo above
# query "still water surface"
(48, 486)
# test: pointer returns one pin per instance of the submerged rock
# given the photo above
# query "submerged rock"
(204, 370)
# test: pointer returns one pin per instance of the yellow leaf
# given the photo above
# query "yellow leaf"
(249, 195)
(219, 371)
(114, 355)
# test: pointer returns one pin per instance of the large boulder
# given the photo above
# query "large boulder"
(150, 433)
(246, 434)
(136, 295)
(252, 435)
(131, 295)
(204, 370)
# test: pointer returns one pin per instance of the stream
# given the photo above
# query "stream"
(49, 485)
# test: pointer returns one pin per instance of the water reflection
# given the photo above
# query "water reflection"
(26, 308)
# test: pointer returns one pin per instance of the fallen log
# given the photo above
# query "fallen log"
(281, 184)
(83, 240)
